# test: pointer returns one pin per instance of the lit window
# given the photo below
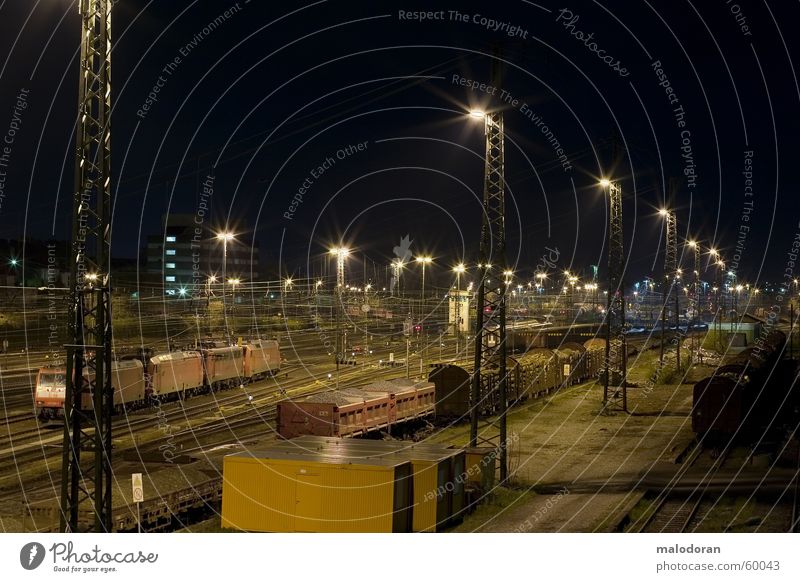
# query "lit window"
(170, 265)
(171, 239)
(170, 278)
(171, 252)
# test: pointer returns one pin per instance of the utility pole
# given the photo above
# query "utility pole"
(614, 378)
(490, 312)
(88, 365)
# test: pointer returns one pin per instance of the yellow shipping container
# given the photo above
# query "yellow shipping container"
(437, 473)
(277, 491)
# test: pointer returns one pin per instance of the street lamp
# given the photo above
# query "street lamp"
(540, 279)
(459, 270)
(225, 236)
(615, 301)
(423, 335)
(233, 282)
(423, 261)
(341, 253)
(211, 279)
(397, 268)
(739, 289)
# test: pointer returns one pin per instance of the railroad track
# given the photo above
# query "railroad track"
(16, 391)
(267, 413)
(43, 491)
(676, 513)
(142, 417)
(258, 411)
(17, 418)
(31, 444)
(253, 414)
(673, 515)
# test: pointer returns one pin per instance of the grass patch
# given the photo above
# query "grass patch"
(501, 498)
(640, 513)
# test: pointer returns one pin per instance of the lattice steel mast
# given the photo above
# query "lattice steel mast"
(88, 400)
(614, 376)
(670, 276)
(490, 313)
(696, 280)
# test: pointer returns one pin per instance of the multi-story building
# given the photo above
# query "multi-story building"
(187, 253)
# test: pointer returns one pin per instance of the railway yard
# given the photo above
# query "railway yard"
(519, 270)
(574, 465)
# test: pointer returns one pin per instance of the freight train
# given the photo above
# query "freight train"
(750, 393)
(178, 374)
(538, 372)
(446, 394)
(521, 337)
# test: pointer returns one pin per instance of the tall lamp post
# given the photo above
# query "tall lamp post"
(490, 306)
(210, 281)
(540, 277)
(459, 270)
(341, 254)
(615, 382)
(695, 246)
(234, 283)
(720, 307)
(397, 269)
(670, 277)
(423, 261)
(225, 237)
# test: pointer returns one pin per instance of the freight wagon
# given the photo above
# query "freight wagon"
(174, 375)
(537, 372)
(356, 411)
(746, 394)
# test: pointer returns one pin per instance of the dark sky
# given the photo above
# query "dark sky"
(267, 94)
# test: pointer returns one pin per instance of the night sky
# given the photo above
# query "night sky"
(269, 98)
